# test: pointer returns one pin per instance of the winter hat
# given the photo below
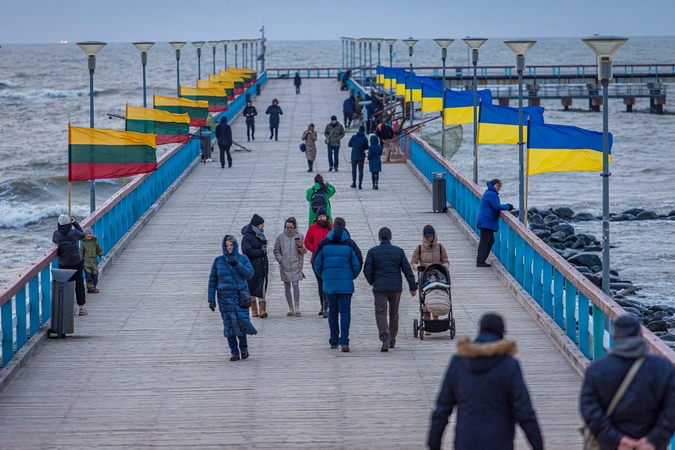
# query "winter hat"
(257, 220)
(625, 326)
(362, 129)
(333, 117)
(321, 212)
(429, 231)
(495, 182)
(492, 323)
(223, 119)
(64, 219)
(384, 233)
(88, 230)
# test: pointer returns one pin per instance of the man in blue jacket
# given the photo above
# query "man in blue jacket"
(383, 268)
(338, 262)
(488, 220)
(224, 137)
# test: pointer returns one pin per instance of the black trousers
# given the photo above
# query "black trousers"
(322, 297)
(274, 130)
(250, 130)
(376, 177)
(347, 119)
(78, 278)
(487, 240)
(225, 149)
(297, 88)
(357, 163)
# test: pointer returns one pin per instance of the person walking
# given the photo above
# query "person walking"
(250, 112)
(375, 160)
(274, 111)
(628, 397)
(297, 82)
(318, 197)
(386, 133)
(338, 262)
(382, 269)
(289, 251)
(68, 232)
(488, 220)
(348, 110)
(485, 383)
(224, 137)
(430, 251)
(316, 232)
(227, 284)
(254, 246)
(309, 137)
(359, 145)
(334, 132)
(91, 250)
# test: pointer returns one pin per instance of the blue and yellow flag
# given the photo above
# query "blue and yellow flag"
(432, 97)
(561, 148)
(402, 77)
(417, 83)
(379, 75)
(499, 124)
(458, 105)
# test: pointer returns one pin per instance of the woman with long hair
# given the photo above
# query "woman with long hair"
(289, 251)
(315, 234)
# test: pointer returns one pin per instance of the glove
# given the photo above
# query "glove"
(510, 206)
(212, 306)
(264, 248)
(233, 261)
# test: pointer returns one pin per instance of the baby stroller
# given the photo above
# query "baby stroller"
(435, 297)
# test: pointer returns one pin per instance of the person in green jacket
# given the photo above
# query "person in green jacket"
(90, 249)
(319, 196)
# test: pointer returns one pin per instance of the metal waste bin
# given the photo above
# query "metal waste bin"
(63, 303)
(438, 192)
(205, 141)
(257, 89)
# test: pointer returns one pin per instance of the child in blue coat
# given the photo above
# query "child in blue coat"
(375, 160)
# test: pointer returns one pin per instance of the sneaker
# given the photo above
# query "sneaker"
(235, 358)
(385, 344)
(483, 265)
(333, 347)
(83, 311)
(244, 355)
(93, 291)
(297, 313)
(336, 169)
(353, 186)
(325, 314)
(330, 170)
(360, 187)
(376, 188)
(321, 313)
(345, 348)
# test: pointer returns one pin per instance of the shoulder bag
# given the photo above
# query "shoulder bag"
(329, 135)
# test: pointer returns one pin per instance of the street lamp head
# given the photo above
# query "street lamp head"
(198, 44)
(410, 42)
(604, 48)
(225, 43)
(214, 44)
(390, 41)
(444, 43)
(143, 47)
(378, 40)
(91, 48)
(520, 48)
(177, 45)
(474, 44)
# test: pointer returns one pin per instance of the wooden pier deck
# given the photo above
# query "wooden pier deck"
(149, 368)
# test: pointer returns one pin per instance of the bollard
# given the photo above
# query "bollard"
(63, 303)
(438, 192)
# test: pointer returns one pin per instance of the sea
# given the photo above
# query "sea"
(43, 87)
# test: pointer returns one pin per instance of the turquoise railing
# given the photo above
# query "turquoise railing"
(25, 303)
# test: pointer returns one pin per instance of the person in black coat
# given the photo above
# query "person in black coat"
(66, 237)
(274, 111)
(484, 381)
(645, 414)
(383, 268)
(250, 112)
(224, 137)
(359, 145)
(254, 245)
(297, 81)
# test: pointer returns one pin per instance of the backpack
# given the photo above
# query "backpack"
(318, 200)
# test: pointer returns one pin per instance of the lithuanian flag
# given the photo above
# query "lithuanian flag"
(197, 110)
(217, 97)
(224, 75)
(94, 154)
(168, 127)
(227, 85)
(246, 74)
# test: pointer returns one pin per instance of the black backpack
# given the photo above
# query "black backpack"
(318, 200)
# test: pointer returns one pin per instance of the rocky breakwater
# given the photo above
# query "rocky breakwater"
(554, 227)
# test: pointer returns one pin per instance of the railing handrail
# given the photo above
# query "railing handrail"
(580, 282)
(533, 66)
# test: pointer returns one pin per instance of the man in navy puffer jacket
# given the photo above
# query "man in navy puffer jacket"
(338, 262)
(488, 220)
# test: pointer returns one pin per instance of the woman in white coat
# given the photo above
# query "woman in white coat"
(289, 251)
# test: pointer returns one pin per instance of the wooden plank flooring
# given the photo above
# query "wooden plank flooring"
(148, 368)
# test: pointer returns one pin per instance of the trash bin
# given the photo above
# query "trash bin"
(257, 89)
(205, 137)
(63, 303)
(438, 192)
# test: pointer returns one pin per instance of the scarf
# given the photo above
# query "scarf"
(259, 234)
(290, 233)
(630, 348)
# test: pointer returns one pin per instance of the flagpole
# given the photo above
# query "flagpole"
(527, 171)
(69, 162)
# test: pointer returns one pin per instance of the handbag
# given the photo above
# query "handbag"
(590, 443)
(244, 300)
(303, 147)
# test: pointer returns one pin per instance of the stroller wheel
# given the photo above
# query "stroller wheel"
(452, 328)
(415, 329)
(422, 332)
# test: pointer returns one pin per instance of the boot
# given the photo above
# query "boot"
(297, 308)
(263, 309)
(290, 309)
(254, 307)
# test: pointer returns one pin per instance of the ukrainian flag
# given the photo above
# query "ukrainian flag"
(387, 77)
(458, 105)
(402, 77)
(379, 75)
(432, 97)
(397, 74)
(561, 148)
(416, 87)
(499, 124)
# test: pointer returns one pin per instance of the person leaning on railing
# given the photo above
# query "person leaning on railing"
(488, 220)
(66, 237)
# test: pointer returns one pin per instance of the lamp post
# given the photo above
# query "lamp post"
(410, 42)
(604, 48)
(379, 45)
(91, 49)
(236, 44)
(198, 45)
(444, 44)
(520, 48)
(370, 62)
(342, 47)
(353, 53)
(177, 46)
(391, 62)
(244, 47)
(474, 44)
(214, 44)
(143, 47)
(361, 60)
(225, 52)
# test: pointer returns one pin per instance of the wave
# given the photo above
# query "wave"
(21, 214)
(48, 93)
(8, 84)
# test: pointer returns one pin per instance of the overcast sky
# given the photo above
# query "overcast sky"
(48, 21)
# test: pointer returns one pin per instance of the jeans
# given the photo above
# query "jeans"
(323, 301)
(225, 149)
(297, 89)
(92, 280)
(78, 278)
(234, 349)
(333, 156)
(384, 301)
(357, 163)
(339, 304)
(250, 130)
(376, 178)
(274, 130)
(487, 240)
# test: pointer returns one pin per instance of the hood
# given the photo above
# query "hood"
(236, 245)
(490, 187)
(248, 229)
(223, 119)
(361, 132)
(338, 234)
(65, 229)
(485, 352)
(629, 347)
(374, 140)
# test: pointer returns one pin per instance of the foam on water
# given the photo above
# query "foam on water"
(18, 215)
(8, 84)
(47, 93)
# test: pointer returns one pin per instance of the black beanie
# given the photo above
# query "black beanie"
(625, 326)
(257, 220)
(333, 117)
(321, 212)
(429, 231)
(384, 233)
(492, 323)
(495, 182)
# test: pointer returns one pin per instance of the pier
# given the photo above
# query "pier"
(148, 367)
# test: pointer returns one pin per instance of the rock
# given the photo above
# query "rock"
(564, 213)
(647, 215)
(578, 244)
(564, 228)
(545, 212)
(570, 243)
(622, 218)
(657, 325)
(557, 237)
(586, 259)
(627, 292)
(672, 213)
(633, 211)
(534, 218)
(668, 337)
(587, 239)
(613, 272)
(621, 285)
(596, 269)
(557, 246)
(633, 304)
(596, 280)
(633, 311)
(583, 269)
(594, 249)
(656, 308)
(660, 315)
(551, 220)
(584, 217)
(542, 234)
(671, 217)
(568, 253)
(539, 226)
